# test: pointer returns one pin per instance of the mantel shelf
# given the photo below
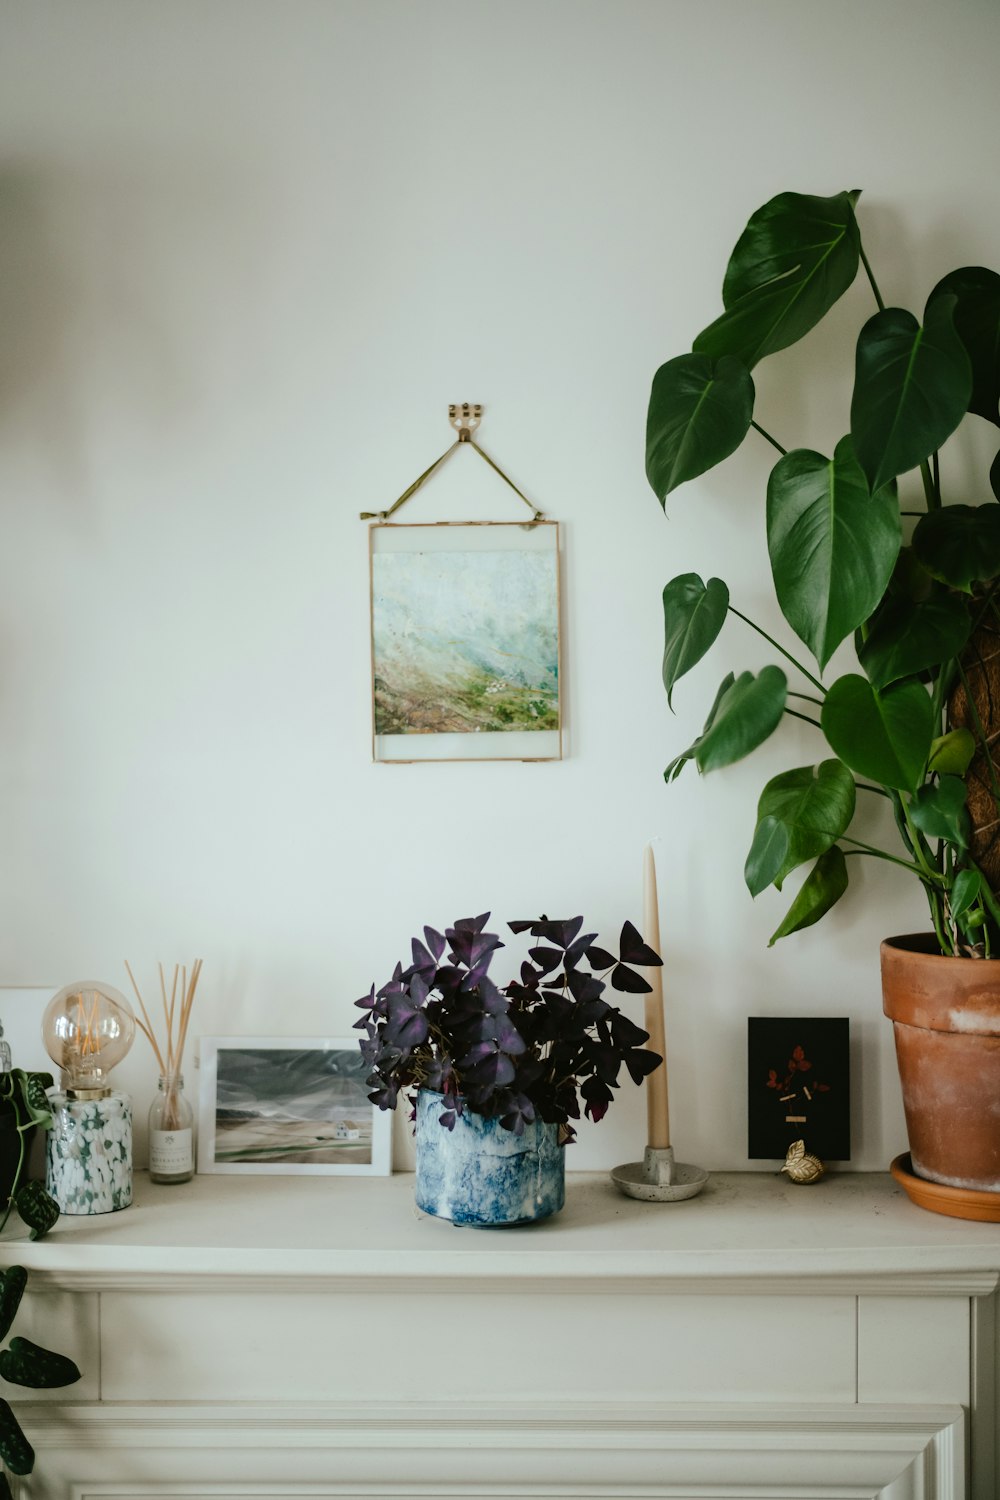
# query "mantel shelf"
(748, 1232)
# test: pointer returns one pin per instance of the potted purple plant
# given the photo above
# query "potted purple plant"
(497, 1076)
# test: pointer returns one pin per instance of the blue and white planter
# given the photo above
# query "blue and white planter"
(480, 1173)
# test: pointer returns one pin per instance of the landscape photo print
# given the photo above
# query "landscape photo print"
(465, 641)
(289, 1105)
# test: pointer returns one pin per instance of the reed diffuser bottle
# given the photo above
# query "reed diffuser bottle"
(171, 1132)
(171, 1118)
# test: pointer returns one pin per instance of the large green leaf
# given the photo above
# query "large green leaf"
(968, 884)
(939, 811)
(907, 638)
(952, 753)
(832, 545)
(960, 544)
(693, 614)
(797, 255)
(747, 713)
(25, 1363)
(977, 320)
(823, 888)
(767, 854)
(678, 763)
(814, 805)
(884, 736)
(699, 413)
(911, 389)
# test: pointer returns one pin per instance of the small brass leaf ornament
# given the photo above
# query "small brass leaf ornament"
(800, 1166)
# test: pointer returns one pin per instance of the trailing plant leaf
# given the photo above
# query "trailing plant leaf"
(965, 891)
(995, 476)
(814, 805)
(911, 389)
(796, 257)
(960, 544)
(833, 546)
(748, 712)
(939, 811)
(12, 1284)
(907, 637)
(677, 765)
(15, 1450)
(699, 413)
(693, 614)
(951, 753)
(884, 736)
(25, 1363)
(977, 321)
(36, 1104)
(822, 889)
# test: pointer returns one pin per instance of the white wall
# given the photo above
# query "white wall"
(248, 254)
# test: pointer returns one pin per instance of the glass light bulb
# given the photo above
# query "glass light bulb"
(87, 1028)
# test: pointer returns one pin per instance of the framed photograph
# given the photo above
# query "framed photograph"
(289, 1105)
(465, 641)
(799, 1086)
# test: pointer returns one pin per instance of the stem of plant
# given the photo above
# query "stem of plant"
(786, 654)
(804, 717)
(805, 698)
(868, 272)
(880, 791)
(930, 492)
(904, 864)
(773, 441)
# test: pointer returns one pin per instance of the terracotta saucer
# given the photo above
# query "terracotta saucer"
(957, 1203)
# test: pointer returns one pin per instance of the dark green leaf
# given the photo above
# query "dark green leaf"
(6, 1493)
(677, 765)
(699, 413)
(797, 255)
(38, 1210)
(960, 544)
(908, 638)
(911, 389)
(939, 811)
(832, 545)
(965, 891)
(995, 476)
(25, 1363)
(12, 1284)
(823, 888)
(885, 737)
(693, 615)
(767, 854)
(748, 712)
(15, 1450)
(951, 753)
(814, 804)
(977, 321)
(34, 1101)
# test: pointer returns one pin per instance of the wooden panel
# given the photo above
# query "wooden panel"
(913, 1349)
(653, 1347)
(502, 1451)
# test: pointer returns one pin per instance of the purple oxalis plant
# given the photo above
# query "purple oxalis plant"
(547, 1046)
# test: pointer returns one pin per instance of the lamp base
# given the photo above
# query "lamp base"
(88, 1157)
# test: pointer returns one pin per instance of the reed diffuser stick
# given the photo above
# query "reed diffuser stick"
(170, 1056)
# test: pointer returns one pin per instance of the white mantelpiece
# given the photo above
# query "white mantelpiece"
(319, 1337)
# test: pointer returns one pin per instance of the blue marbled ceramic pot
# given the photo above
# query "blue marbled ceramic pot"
(480, 1173)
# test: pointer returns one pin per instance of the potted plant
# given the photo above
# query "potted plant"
(497, 1076)
(24, 1108)
(912, 585)
(23, 1363)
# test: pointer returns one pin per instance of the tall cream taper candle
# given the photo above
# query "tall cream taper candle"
(657, 1103)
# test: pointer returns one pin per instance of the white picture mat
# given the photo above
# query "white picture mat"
(210, 1048)
(469, 536)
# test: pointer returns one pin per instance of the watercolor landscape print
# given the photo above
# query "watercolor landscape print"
(291, 1107)
(465, 642)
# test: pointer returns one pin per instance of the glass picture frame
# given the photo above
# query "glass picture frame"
(466, 641)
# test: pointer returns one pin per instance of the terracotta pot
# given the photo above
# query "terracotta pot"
(945, 1014)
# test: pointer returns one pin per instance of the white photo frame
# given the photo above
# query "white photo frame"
(289, 1106)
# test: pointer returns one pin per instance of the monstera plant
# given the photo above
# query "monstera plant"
(912, 585)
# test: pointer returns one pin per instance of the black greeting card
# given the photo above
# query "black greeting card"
(799, 1086)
